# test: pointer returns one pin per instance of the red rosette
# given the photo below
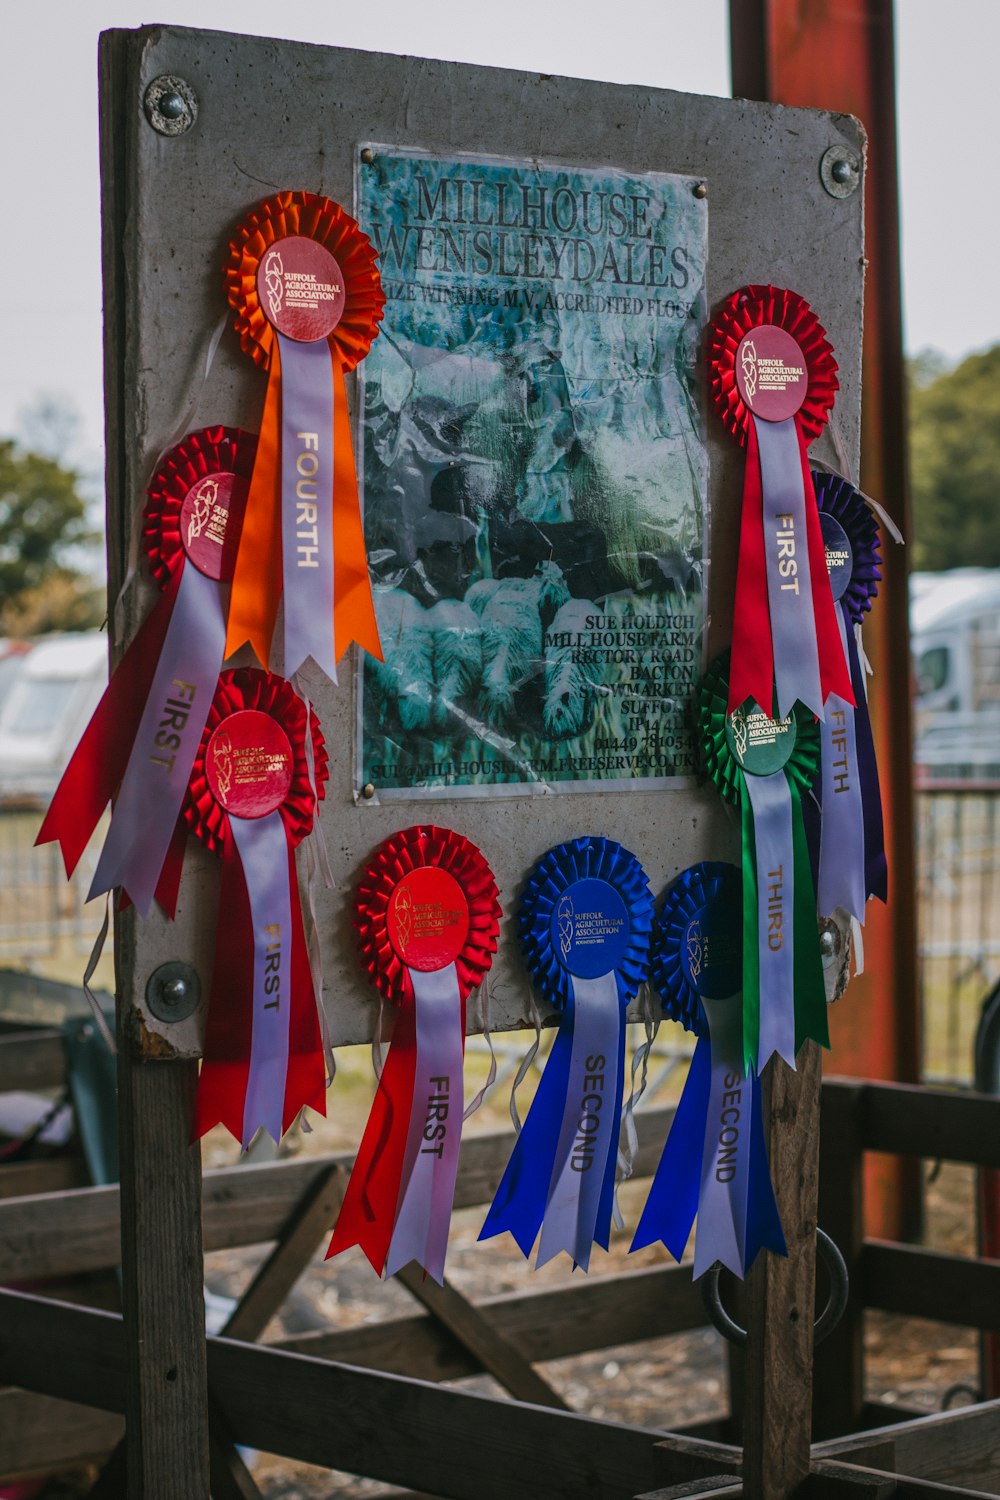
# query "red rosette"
(250, 688)
(200, 456)
(426, 847)
(753, 307)
(320, 219)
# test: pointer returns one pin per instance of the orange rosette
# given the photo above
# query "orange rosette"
(303, 282)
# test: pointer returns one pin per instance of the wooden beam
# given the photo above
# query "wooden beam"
(716, 1487)
(544, 1324)
(243, 1205)
(54, 1174)
(952, 1447)
(498, 1355)
(933, 1123)
(39, 1434)
(837, 1481)
(452, 1443)
(32, 1060)
(778, 1364)
(311, 1220)
(930, 1284)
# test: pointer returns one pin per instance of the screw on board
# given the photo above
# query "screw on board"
(368, 156)
(368, 791)
(173, 992)
(171, 104)
(830, 942)
(700, 189)
(839, 171)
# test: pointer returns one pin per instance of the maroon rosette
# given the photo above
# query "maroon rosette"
(250, 688)
(426, 846)
(753, 307)
(201, 456)
(317, 218)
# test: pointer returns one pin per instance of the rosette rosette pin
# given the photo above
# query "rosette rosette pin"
(773, 378)
(714, 1163)
(427, 920)
(585, 923)
(303, 282)
(140, 744)
(260, 769)
(762, 765)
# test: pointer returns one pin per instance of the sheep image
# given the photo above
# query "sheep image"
(513, 614)
(456, 655)
(571, 687)
(402, 682)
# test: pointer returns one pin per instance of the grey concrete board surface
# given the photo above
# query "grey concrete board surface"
(276, 115)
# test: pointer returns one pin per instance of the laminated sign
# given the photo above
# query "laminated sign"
(534, 475)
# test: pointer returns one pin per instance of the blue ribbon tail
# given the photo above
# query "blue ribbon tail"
(606, 1206)
(764, 1231)
(520, 1201)
(672, 1204)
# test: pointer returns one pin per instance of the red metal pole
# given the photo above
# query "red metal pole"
(839, 55)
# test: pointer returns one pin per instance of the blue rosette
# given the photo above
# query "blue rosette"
(585, 922)
(714, 1164)
(848, 846)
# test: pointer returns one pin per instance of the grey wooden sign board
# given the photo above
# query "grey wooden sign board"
(277, 115)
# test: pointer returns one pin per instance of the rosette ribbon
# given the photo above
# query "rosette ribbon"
(251, 801)
(773, 377)
(585, 923)
(762, 764)
(852, 862)
(427, 921)
(140, 744)
(714, 1163)
(303, 282)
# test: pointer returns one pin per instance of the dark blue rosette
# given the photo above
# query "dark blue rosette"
(850, 865)
(585, 920)
(714, 1163)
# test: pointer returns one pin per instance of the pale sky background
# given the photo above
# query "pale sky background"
(946, 63)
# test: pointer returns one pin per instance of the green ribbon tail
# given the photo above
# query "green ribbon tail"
(811, 1020)
(751, 958)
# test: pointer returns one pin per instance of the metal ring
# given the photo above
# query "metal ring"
(826, 1322)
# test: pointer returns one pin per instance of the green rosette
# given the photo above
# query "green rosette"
(762, 764)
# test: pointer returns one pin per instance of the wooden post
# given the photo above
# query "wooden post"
(838, 1394)
(781, 1293)
(166, 1410)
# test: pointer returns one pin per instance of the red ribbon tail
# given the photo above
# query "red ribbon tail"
(368, 1214)
(834, 671)
(98, 763)
(305, 1081)
(222, 1086)
(751, 672)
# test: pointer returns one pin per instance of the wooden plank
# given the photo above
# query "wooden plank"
(310, 1222)
(39, 1434)
(544, 1324)
(779, 1352)
(243, 1205)
(715, 1487)
(32, 1060)
(838, 1481)
(55, 1174)
(915, 1121)
(931, 1284)
(838, 1376)
(453, 1443)
(498, 1355)
(951, 1447)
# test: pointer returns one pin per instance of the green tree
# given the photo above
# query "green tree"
(43, 516)
(955, 462)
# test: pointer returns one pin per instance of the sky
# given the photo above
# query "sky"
(52, 306)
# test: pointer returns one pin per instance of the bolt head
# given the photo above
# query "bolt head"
(175, 991)
(701, 190)
(829, 945)
(368, 156)
(841, 171)
(171, 105)
(368, 790)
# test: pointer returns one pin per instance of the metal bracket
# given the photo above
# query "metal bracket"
(826, 1322)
